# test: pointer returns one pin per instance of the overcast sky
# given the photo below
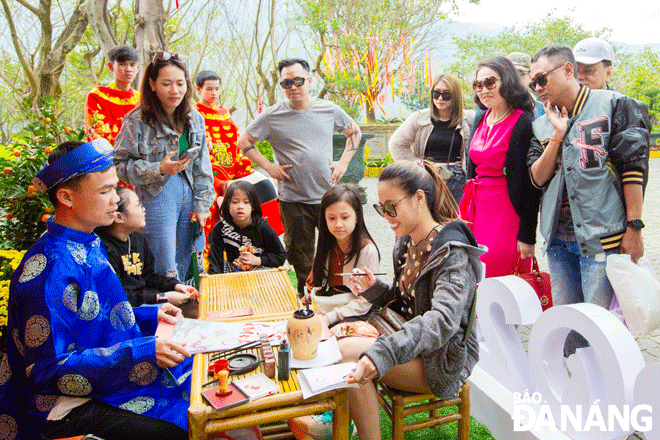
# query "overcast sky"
(631, 21)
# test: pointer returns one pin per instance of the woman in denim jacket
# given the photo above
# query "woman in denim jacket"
(161, 151)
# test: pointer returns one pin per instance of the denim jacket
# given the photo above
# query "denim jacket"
(140, 148)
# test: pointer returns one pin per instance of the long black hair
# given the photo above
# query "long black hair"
(411, 176)
(151, 107)
(511, 89)
(326, 242)
(251, 192)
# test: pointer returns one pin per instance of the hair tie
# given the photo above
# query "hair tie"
(420, 162)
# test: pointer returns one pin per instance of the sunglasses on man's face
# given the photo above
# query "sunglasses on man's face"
(542, 78)
(489, 83)
(166, 56)
(437, 94)
(287, 83)
(388, 208)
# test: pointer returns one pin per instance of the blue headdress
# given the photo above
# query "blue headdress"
(94, 156)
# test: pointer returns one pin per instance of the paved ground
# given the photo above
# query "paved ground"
(649, 345)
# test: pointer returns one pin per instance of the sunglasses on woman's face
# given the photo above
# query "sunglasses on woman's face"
(490, 83)
(388, 208)
(166, 56)
(287, 83)
(542, 78)
(437, 94)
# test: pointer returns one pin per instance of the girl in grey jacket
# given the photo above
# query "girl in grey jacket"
(436, 261)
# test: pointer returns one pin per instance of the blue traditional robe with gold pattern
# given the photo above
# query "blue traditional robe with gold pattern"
(74, 333)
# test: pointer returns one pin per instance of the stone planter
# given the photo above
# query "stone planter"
(355, 170)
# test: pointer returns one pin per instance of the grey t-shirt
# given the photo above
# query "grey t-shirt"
(302, 138)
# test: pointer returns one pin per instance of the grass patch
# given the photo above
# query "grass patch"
(448, 431)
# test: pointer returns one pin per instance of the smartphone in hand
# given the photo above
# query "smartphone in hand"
(190, 152)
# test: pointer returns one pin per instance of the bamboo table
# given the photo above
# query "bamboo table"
(272, 297)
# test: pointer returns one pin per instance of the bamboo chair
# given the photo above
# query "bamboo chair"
(404, 404)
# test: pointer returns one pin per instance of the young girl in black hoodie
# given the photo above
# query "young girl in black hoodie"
(243, 240)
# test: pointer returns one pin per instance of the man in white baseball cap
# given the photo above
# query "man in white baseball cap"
(594, 58)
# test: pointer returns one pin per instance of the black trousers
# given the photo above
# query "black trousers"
(110, 423)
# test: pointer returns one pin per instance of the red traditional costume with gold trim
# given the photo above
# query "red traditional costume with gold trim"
(105, 108)
(221, 135)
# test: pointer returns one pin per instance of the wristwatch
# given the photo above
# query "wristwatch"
(635, 223)
(161, 298)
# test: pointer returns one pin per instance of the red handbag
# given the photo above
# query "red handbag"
(540, 282)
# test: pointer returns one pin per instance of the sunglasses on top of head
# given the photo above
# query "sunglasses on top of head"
(287, 83)
(437, 94)
(542, 78)
(166, 56)
(489, 83)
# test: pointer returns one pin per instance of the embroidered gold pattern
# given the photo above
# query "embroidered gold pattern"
(70, 297)
(74, 385)
(5, 371)
(8, 427)
(122, 317)
(89, 309)
(144, 373)
(33, 267)
(45, 402)
(139, 405)
(37, 331)
(17, 342)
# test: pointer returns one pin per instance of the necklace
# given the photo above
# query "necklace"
(423, 240)
(494, 121)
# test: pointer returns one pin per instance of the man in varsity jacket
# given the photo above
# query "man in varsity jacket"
(590, 156)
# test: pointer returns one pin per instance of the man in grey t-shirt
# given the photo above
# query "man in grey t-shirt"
(300, 131)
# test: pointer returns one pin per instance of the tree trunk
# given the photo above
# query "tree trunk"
(371, 113)
(97, 13)
(149, 34)
(43, 77)
(51, 64)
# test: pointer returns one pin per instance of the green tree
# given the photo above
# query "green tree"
(25, 209)
(638, 75)
(527, 38)
(361, 45)
(42, 36)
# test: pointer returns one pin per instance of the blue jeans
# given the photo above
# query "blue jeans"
(575, 279)
(169, 229)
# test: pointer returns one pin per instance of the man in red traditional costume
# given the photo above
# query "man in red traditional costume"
(221, 130)
(106, 106)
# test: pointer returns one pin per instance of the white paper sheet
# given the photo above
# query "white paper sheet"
(207, 336)
(327, 354)
(319, 380)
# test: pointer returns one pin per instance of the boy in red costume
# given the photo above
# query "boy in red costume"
(221, 130)
(106, 106)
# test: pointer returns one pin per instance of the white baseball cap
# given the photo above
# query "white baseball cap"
(592, 51)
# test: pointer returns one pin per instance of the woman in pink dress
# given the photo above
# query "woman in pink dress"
(500, 203)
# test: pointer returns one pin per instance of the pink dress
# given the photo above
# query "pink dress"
(486, 205)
